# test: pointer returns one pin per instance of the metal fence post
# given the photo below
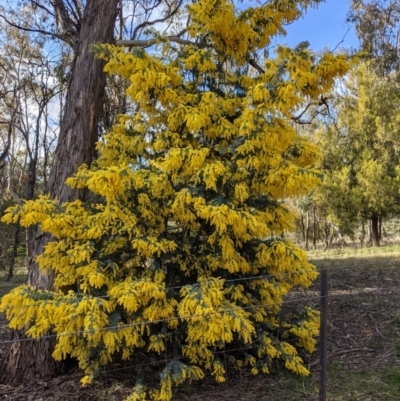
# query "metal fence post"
(323, 358)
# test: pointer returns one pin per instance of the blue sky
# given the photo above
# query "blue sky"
(323, 27)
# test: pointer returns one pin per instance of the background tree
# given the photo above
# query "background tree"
(377, 24)
(185, 202)
(27, 91)
(361, 152)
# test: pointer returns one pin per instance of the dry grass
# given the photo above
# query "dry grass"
(18, 278)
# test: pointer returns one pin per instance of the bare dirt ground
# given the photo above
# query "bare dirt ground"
(363, 347)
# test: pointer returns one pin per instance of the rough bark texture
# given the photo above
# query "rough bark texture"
(84, 103)
(26, 361)
(79, 126)
(29, 360)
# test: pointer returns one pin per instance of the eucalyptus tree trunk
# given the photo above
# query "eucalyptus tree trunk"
(28, 360)
(302, 227)
(315, 228)
(362, 237)
(79, 125)
(326, 233)
(307, 230)
(380, 228)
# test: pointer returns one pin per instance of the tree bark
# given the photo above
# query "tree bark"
(32, 358)
(326, 242)
(362, 238)
(14, 254)
(79, 125)
(30, 193)
(29, 360)
(84, 101)
(307, 230)
(380, 228)
(326, 232)
(331, 237)
(303, 234)
(375, 231)
(315, 229)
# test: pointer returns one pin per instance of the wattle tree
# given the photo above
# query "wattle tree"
(178, 251)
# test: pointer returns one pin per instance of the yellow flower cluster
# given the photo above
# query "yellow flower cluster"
(180, 248)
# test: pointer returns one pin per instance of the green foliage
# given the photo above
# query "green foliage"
(361, 150)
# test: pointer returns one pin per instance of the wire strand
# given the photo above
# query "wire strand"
(185, 317)
(120, 327)
(266, 276)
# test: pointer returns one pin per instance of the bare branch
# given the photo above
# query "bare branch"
(74, 9)
(12, 193)
(254, 64)
(297, 119)
(4, 94)
(158, 20)
(340, 41)
(38, 5)
(36, 30)
(65, 24)
(10, 123)
(78, 10)
(151, 42)
(4, 154)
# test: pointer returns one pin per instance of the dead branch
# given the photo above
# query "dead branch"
(151, 42)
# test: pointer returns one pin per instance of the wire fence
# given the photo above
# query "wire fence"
(171, 288)
(165, 320)
(166, 289)
(336, 287)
